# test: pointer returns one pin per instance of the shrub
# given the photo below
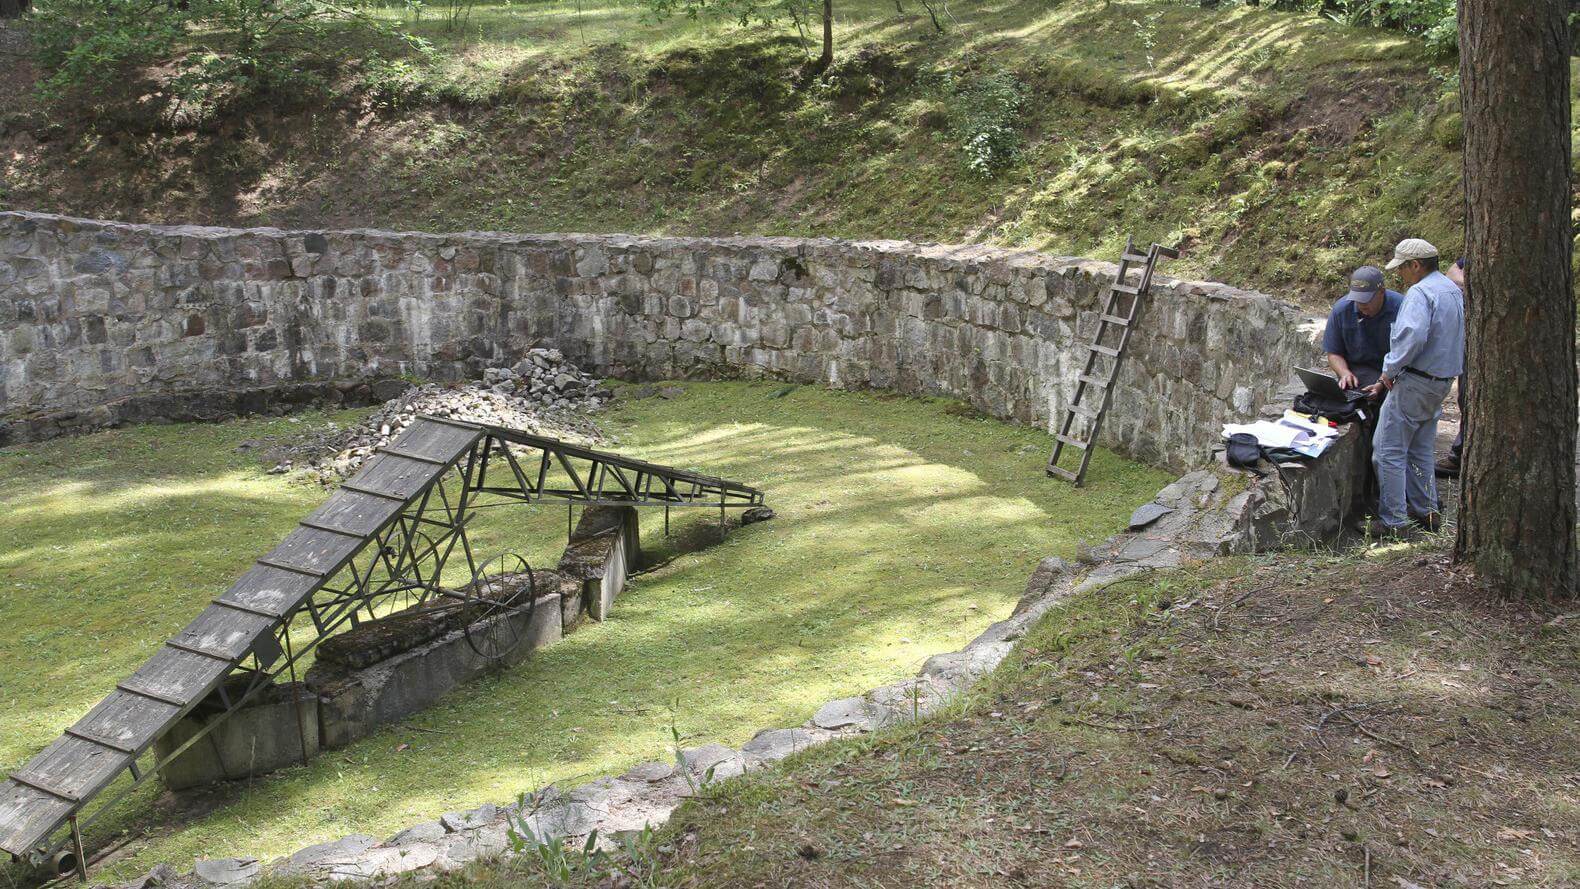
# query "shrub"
(984, 113)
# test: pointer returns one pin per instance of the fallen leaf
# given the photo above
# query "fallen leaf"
(1074, 844)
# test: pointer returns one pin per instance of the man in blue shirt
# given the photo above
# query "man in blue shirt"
(1426, 354)
(1357, 336)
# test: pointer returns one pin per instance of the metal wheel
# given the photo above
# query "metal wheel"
(501, 593)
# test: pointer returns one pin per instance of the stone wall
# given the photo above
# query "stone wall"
(96, 315)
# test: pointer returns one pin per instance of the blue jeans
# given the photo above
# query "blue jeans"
(1404, 449)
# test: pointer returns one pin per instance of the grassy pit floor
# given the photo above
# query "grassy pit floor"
(1306, 720)
(904, 527)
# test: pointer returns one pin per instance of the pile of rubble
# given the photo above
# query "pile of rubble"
(542, 394)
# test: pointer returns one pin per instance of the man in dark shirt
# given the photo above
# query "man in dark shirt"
(1359, 329)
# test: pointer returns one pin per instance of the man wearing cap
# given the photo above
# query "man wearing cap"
(1427, 352)
(1357, 335)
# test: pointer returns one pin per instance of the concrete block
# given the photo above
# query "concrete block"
(604, 550)
(254, 740)
(353, 704)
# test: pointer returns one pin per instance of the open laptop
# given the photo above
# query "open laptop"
(1325, 385)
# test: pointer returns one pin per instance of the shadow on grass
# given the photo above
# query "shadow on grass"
(901, 531)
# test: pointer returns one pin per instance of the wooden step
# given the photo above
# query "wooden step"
(1125, 288)
(1089, 411)
(1104, 350)
(1120, 320)
(1134, 257)
(1073, 442)
(1101, 382)
(1061, 472)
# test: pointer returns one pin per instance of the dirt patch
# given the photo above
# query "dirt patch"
(1308, 722)
(1335, 112)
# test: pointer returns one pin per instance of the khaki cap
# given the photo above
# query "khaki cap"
(1408, 249)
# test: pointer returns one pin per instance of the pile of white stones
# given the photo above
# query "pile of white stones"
(542, 394)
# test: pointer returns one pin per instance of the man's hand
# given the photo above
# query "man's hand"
(1376, 389)
(1347, 380)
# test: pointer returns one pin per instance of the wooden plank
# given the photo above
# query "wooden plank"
(394, 476)
(74, 767)
(27, 817)
(313, 550)
(177, 675)
(435, 441)
(270, 589)
(355, 512)
(223, 631)
(127, 720)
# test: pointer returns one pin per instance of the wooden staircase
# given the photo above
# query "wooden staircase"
(1105, 356)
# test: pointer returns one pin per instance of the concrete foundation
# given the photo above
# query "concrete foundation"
(354, 703)
(257, 739)
(605, 549)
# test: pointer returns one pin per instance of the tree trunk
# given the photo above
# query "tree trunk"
(1517, 494)
(827, 58)
(11, 9)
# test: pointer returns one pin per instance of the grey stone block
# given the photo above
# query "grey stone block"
(227, 871)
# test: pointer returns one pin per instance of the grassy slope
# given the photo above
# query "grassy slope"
(1300, 720)
(904, 527)
(1280, 149)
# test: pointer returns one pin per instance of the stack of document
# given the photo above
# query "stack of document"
(1296, 432)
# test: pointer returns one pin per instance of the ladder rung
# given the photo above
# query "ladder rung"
(1061, 472)
(1072, 441)
(1134, 257)
(1090, 380)
(1121, 320)
(1085, 410)
(1124, 288)
(1104, 350)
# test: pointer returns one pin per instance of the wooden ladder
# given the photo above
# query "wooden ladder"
(1095, 385)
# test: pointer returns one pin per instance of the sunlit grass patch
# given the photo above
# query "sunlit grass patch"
(903, 529)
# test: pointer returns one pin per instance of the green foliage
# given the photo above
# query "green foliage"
(985, 119)
(548, 858)
(1434, 21)
(201, 58)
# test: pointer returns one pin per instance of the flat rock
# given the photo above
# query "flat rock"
(459, 821)
(1147, 514)
(426, 832)
(713, 762)
(227, 871)
(324, 856)
(778, 743)
(846, 713)
(650, 772)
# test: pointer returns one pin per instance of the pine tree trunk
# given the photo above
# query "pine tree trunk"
(1517, 500)
(10, 9)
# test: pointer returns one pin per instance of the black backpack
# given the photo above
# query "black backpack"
(1333, 409)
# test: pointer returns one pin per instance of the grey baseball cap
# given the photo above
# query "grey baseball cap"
(1364, 284)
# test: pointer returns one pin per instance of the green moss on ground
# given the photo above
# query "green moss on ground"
(905, 526)
(1280, 149)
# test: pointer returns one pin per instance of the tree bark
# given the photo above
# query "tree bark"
(827, 58)
(10, 9)
(1517, 490)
